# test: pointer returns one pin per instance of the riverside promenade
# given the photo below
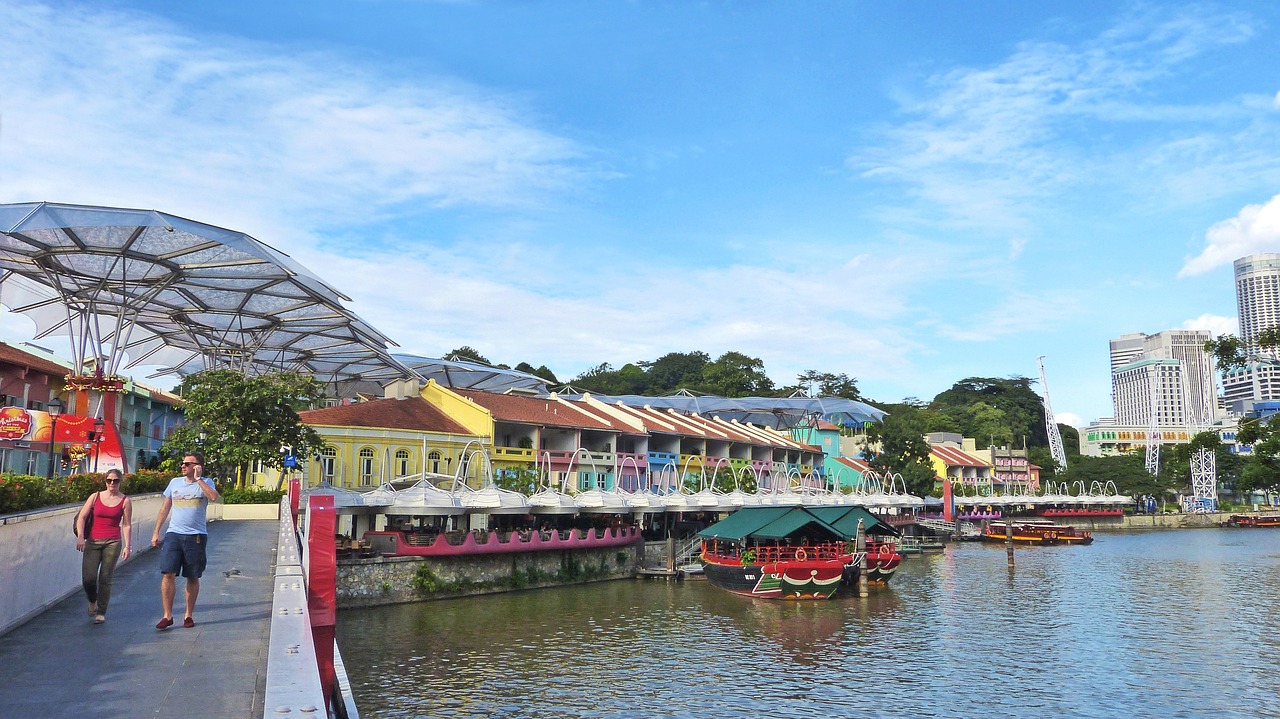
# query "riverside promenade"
(62, 665)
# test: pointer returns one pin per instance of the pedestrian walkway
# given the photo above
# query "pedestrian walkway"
(62, 665)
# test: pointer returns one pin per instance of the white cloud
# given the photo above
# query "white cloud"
(1070, 418)
(1216, 324)
(1256, 228)
(989, 146)
(240, 133)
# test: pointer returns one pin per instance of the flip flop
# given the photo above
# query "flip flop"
(99, 619)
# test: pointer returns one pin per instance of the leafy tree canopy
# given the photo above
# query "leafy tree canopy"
(903, 450)
(244, 419)
(467, 353)
(1003, 412)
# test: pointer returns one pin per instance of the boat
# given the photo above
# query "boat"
(794, 553)
(1034, 531)
(1254, 520)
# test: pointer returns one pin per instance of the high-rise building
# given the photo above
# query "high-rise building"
(1173, 365)
(1258, 299)
(1258, 308)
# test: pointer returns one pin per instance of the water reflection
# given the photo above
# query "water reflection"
(1159, 624)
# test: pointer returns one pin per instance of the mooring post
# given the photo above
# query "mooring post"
(860, 545)
(1008, 540)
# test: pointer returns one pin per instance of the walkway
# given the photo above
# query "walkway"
(61, 665)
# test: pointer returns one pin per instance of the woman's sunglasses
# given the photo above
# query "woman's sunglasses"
(113, 480)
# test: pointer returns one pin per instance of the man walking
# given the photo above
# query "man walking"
(185, 544)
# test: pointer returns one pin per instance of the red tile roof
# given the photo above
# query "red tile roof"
(953, 457)
(12, 355)
(414, 414)
(855, 463)
(532, 410)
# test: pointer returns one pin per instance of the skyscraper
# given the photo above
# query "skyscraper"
(1174, 365)
(1258, 298)
(1258, 308)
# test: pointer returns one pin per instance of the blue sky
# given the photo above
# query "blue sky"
(908, 193)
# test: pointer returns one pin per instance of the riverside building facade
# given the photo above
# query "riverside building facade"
(1167, 374)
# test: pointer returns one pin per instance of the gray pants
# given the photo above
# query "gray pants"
(99, 563)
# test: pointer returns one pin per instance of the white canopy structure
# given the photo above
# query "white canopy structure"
(186, 296)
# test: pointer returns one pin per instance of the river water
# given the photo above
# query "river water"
(1156, 624)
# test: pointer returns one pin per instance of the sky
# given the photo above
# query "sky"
(908, 193)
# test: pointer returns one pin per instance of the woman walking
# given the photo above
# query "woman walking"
(108, 540)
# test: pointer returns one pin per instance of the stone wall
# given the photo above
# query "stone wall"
(390, 580)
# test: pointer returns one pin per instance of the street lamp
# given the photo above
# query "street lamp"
(98, 426)
(54, 409)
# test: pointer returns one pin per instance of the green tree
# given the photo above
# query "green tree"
(244, 419)
(734, 374)
(676, 370)
(1127, 471)
(824, 384)
(466, 353)
(1022, 408)
(540, 371)
(903, 450)
(1230, 352)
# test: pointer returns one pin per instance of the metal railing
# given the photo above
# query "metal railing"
(294, 686)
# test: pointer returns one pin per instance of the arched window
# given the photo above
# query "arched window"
(328, 460)
(366, 466)
(433, 461)
(402, 462)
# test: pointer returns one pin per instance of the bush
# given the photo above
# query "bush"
(24, 492)
(251, 495)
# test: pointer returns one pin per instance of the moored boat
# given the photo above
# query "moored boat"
(793, 552)
(1254, 520)
(1032, 531)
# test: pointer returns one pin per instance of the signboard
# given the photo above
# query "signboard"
(37, 428)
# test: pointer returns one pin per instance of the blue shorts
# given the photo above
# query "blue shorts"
(183, 552)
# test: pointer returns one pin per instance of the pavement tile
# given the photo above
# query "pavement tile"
(61, 665)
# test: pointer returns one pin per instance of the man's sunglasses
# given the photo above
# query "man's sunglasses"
(190, 464)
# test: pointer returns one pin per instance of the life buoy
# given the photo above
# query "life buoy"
(1053, 535)
(885, 551)
(801, 555)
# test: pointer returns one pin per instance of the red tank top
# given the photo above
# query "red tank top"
(106, 519)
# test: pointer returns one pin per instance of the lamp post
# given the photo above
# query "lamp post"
(98, 426)
(54, 409)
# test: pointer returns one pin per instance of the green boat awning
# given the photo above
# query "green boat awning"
(771, 523)
(846, 519)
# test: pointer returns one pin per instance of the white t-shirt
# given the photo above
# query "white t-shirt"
(189, 506)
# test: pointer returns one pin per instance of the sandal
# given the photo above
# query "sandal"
(99, 619)
(93, 608)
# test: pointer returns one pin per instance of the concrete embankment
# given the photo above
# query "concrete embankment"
(394, 580)
(1136, 522)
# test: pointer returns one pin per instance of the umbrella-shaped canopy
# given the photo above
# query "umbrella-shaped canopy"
(165, 290)
(600, 501)
(465, 374)
(550, 501)
(425, 499)
(345, 501)
(491, 500)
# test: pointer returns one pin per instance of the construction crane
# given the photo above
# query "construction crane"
(1051, 424)
(1153, 431)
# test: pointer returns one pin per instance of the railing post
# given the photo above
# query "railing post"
(295, 493)
(322, 584)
